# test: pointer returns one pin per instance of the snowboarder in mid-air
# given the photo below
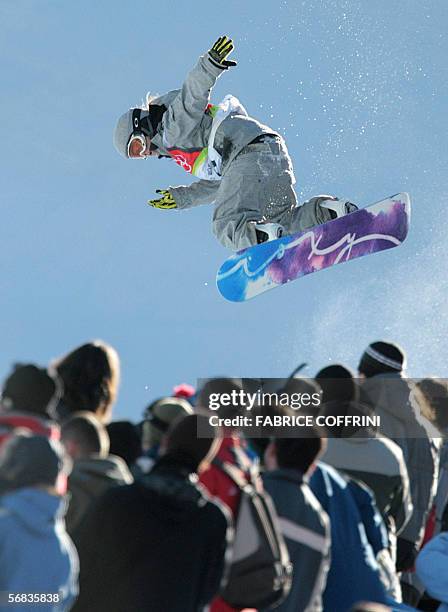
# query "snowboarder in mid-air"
(243, 166)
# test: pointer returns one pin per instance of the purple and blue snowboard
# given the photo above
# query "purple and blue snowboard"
(252, 271)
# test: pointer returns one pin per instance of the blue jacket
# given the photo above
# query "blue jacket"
(357, 535)
(353, 574)
(431, 567)
(36, 554)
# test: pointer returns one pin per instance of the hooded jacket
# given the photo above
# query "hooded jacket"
(389, 396)
(36, 554)
(156, 545)
(89, 479)
(187, 125)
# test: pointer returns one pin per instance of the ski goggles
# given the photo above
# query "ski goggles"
(137, 146)
(138, 143)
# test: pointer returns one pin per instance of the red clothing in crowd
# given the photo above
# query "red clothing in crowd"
(9, 421)
(221, 486)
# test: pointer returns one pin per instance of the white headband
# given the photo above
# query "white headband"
(396, 365)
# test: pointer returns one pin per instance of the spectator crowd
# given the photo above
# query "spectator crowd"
(173, 514)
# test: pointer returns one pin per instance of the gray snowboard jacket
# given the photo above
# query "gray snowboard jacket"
(378, 463)
(203, 138)
(389, 395)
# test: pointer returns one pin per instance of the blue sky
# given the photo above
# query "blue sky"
(359, 91)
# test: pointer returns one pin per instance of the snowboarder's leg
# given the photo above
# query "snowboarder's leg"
(315, 211)
(257, 186)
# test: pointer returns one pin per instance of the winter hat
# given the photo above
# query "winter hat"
(381, 358)
(337, 384)
(27, 460)
(160, 415)
(31, 389)
(148, 122)
(184, 443)
(184, 390)
(217, 387)
(122, 133)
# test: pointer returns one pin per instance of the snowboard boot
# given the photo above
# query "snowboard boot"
(338, 208)
(268, 231)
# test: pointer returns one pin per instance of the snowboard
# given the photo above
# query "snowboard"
(252, 271)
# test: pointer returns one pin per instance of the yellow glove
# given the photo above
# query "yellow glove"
(219, 52)
(165, 202)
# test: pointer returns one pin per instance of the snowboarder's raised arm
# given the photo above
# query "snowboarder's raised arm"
(189, 105)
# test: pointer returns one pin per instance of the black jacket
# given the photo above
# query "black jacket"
(157, 545)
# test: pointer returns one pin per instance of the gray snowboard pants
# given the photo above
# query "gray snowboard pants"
(258, 186)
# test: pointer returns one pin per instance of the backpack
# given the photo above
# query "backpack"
(260, 572)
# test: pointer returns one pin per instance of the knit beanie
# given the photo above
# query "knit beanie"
(184, 390)
(382, 358)
(337, 384)
(27, 460)
(30, 389)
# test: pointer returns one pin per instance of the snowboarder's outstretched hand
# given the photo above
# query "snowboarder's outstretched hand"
(219, 52)
(165, 202)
